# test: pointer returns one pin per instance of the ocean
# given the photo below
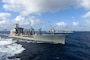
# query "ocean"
(77, 47)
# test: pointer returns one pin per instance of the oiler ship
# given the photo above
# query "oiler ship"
(51, 36)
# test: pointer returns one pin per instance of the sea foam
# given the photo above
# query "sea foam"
(9, 48)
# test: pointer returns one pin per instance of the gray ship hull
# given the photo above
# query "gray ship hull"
(49, 38)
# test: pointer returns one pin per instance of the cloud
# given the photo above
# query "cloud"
(87, 15)
(8, 23)
(26, 7)
(75, 23)
(81, 26)
(62, 24)
(2, 22)
(5, 24)
(21, 20)
(87, 23)
(76, 26)
(82, 3)
(32, 20)
(4, 19)
(4, 15)
(73, 17)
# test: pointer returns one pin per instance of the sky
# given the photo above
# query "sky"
(45, 14)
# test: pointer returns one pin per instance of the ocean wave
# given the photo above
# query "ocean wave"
(9, 48)
(4, 34)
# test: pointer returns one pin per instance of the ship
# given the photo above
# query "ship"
(51, 36)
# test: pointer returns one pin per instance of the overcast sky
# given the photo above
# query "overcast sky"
(58, 14)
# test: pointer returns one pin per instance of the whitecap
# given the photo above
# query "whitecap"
(9, 48)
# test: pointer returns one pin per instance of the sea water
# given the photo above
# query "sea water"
(9, 48)
(77, 47)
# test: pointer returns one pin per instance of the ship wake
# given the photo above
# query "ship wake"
(9, 48)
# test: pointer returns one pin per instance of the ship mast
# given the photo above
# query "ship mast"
(17, 25)
(29, 23)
